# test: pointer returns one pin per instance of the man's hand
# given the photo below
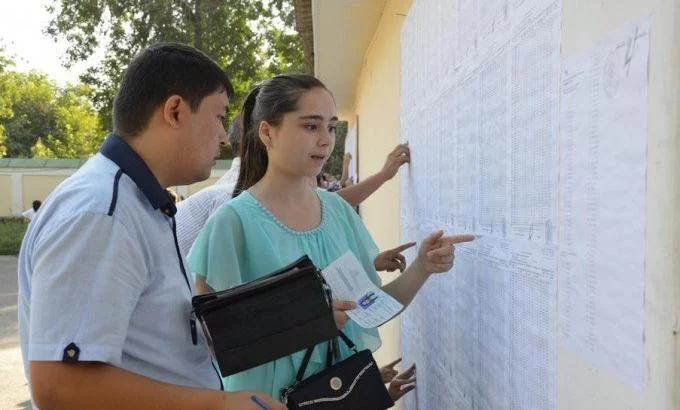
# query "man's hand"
(392, 259)
(403, 383)
(339, 308)
(398, 157)
(96, 385)
(437, 251)
(244, 400)
(388, 372)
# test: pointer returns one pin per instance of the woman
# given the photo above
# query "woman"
(289, 132)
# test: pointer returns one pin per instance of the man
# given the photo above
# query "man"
(105, 300)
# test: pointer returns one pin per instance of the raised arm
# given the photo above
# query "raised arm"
(357, 193)
(344, 177)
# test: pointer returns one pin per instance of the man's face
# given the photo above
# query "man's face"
(204, 133)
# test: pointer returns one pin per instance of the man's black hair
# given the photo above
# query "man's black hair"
(158, 72)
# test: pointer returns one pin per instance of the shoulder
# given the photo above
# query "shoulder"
(92, 189)
(217, 191)
(205, 200)
(232, 210)
(334, 202)
(98, 193)
(329, 197)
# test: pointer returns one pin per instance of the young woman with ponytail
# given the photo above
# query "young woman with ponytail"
(276, 216)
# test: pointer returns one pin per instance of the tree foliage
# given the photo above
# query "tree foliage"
(5, 102)
(251, 39)
(40, 119)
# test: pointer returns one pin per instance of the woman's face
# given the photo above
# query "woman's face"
(301, 144)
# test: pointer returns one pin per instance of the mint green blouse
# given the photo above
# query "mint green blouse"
(243, 241)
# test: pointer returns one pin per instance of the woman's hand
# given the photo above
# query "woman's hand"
(436, 253)
(339, 308)
(398, 157)
(392, 259)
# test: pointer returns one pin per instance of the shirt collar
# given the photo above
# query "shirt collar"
(118, 151)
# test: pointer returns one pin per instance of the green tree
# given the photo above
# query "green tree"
(31, 114)
(44, 120)
(5, 101)
(252, 39)
(77, 133)
(334, 164)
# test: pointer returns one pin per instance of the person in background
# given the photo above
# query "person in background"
(105, 301)
(331, 181)
(345, 179)
(29, 214)
(399, 383)
(289, 126)
(359, 192)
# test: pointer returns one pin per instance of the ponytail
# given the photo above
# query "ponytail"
(253, 153)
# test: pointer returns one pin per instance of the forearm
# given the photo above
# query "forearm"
(57, 385)
(357, 193)
(345, 172)
(406, 285)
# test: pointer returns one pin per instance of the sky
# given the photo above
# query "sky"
(21, 33)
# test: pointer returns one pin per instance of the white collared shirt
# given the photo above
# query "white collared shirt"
(193, 212)
(98, 270)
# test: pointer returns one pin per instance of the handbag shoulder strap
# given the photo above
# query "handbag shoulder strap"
(329, 357)
(348, 341)
(303, 365)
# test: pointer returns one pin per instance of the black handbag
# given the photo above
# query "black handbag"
(354, 383)
(268, 318)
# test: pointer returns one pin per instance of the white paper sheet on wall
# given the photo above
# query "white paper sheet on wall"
(602, 197)
(482, 122)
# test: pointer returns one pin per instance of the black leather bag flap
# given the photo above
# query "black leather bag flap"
(266, 319)
(353, 383)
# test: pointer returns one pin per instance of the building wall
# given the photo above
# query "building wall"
(20, 187)
(38, 187)
(192, 189)
(5, 195)
(377, 108)
(581, 385)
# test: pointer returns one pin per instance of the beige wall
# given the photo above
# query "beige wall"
(377, 106)
(38, 184)
(38, 187)
(5, 195)
(192, 189)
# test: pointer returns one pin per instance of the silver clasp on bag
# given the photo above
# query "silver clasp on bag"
(286, 391)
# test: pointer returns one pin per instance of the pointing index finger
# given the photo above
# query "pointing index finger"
(394, 363)
(454, 239)
(403, 247)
